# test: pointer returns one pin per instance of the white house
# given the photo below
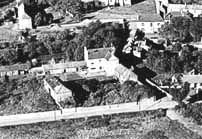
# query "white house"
(111, 2)
(149, 23)
(24, 20)
(14, 70)
(68, 67)
(101, 60)
(57, 90)
(165, 7)
(194, 80)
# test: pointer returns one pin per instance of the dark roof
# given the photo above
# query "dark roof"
(150, 18)
(70, 76)
(98, 53)
(14, 67)
(53, 81)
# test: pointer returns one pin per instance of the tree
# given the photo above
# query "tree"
(155, 134)
(75, 7)
(38, 19)
(177, 29)
(196, 28)
(180, 94)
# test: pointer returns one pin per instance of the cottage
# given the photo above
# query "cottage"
(67, 67)
(110, 2)
(57, 90)
(101, 60)
(147, 22)
(194, 80)
(14, 70)
(165, 7)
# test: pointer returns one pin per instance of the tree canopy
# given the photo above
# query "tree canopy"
(177, 29)
(186, 1)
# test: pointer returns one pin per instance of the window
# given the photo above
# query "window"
(142, 24)
(92, 63)
(100, 68)
(151, 24)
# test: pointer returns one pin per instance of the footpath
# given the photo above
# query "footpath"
(83, 112)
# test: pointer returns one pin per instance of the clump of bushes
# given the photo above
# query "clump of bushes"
(193, 111)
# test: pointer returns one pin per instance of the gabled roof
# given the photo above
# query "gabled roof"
(75, 64)
(26, 16)
(150, 18)
(14, 67)
(55, 84)
(125, 72)
(99, 53)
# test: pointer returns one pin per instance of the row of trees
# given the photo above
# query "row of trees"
(184, 29)
(186, 1)
(182, 61)
(115, 93)
(96, 35)
(74, 7)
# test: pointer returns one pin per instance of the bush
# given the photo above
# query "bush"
(193, 111)
(155, 134)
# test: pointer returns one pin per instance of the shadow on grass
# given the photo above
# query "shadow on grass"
(80, 95)
(196, 97)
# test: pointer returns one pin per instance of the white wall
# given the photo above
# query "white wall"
(111, 65)
(149, 27)
(194, 9)
(25, 23)
(96, 65)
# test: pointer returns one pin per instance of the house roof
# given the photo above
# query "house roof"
(173, 14)
(70, 76)
(183, 6)
(150, 18)
(125, 72)
(57, 85)
(127, 12)
(14, 67)
(75, 64)
(99, 53)
(192, 78)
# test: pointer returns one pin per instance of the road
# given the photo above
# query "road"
(83, 112)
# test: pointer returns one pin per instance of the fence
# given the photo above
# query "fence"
(82, 112)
